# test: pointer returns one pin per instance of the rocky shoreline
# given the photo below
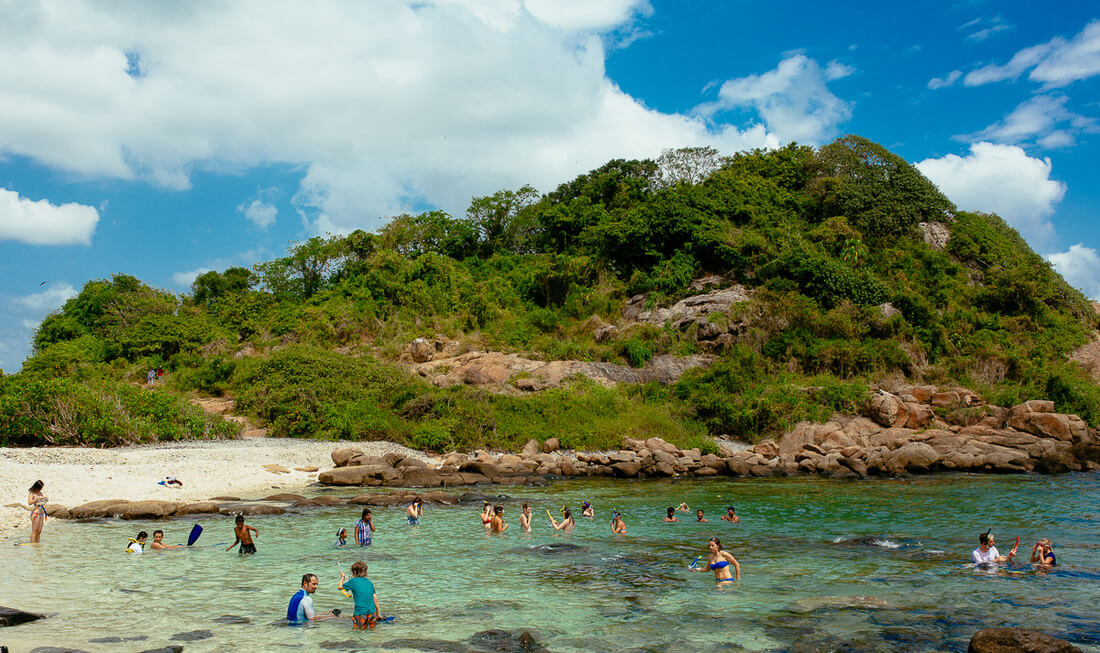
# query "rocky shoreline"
(916, 430)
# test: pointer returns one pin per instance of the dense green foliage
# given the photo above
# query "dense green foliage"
(824, 238)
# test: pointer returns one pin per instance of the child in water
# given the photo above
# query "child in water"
(617, 524)
(363, 528)
(137, 544)
(497, 524)
(244, 536)
(341, 538)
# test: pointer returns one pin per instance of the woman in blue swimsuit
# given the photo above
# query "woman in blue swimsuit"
(1042, 555)
(719, 562)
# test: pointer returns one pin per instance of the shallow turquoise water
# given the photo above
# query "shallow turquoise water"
(904, 543)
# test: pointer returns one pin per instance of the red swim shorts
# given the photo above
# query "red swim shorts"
(364, 621)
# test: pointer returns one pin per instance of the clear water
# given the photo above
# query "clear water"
(904, 543)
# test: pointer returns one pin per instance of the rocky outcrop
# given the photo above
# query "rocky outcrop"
(504, 372)
(1017, 640)
(696, 308)
(936, 234)
(13, 617)
(1089, 356)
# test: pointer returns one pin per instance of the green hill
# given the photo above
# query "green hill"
(856, 270)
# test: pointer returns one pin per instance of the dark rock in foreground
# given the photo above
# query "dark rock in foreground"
(1017, 640)
(192, 636)
(516, 641)
(13, 617)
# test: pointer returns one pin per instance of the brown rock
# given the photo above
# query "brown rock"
(421, 477)
(850, 452)
(420, 350)
(306, 468)
(276, 469)
(1017, 640)
(392, 458)
(658, 444)
(622, 457)
(357, 475)
(455, 459)
(198, 508)
(283, 497)
(410, 462)
(487, 470)
(626, 469)
(1068, 428)
(551, 445)
(146, 510)
(949, 399)
(768, 448)
(922, 393)
(253, 509)
(225, 498)
(315, 502)
(93, 509)
(567, 467)
(531, 448)
(916, 457)
(919, 416)
(891, 438)
(340, 457)
(763, 471)
(884, 407)
(857, 466)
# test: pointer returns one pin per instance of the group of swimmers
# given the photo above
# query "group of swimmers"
(987, 555)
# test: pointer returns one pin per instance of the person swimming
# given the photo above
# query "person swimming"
(618, 526)
(719, 562)
(137, 544)
(341, 537)
(586, 510)
(731, 516)
(1042, 555)
(670, 515)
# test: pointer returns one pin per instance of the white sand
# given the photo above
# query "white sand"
(208, 468)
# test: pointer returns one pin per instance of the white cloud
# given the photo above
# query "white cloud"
(983, 28)
(385, 105)
(42, 223)
(943, 82)
(1043, 118)
(1001, 179)
(1056, 63)
(259, 211)
(793, 100)
(838, 70)
(185, 279)
(1080, 266)
(49, 299)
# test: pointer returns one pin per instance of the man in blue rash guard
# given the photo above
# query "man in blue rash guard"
(300, 609)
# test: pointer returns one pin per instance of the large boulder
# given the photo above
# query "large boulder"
(357, 475)
(1067, 428)
(485, 469)
(13, 617)
(340, 457)
(658, 444)
(886, 409)
(421, 477)
(198, 508)
(253, 509)
(914, 457)
(95, 509)
(316, 502)
(1017, 640)
(146, 510)
(626, 469)
(551, 445)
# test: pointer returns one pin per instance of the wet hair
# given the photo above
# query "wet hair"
(38, 485)
(671, 510)
(366, 513)
(308, 577)
(418, 501)
(359, 569)
(717, 542)
(240, 519)
(729, 509)
(157, 531)
(1046, 542)
(984, 538)
(526, 505)
(499, 510)
(565, 513)
(142, 535)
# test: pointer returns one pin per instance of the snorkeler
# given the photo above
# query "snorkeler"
(244, 536)
(617, 524)
(341, 538)
(525, 518)
(719, 562)
(158, 542)
(730, 516)
(586, 510)
(414, 512)
(683, 507)
(670, 514)
(1042, 554)
(137, 544)
(567, 523)
(497, 524)
(987, 554)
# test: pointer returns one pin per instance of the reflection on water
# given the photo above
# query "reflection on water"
(874, 565)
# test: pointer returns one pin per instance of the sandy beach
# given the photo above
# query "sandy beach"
(207, 468)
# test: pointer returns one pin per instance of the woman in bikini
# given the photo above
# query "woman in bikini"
(566, 524)
(37, 501)
(719, 562)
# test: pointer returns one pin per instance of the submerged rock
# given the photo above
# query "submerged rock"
(191, 636)
(437, 645)
(515, 641)
(13, 617)
(171, 648)
(812, 603)
(116, 640)
(232, 619)
(1017, 640)
(56, 649)
(554, 548)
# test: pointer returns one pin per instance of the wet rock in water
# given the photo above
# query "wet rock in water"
(346, 645)
(56, 649)
(283, 497)
(553, 548)
(477, 497)
(13, 617)
(436, 645)
(225, 498)
(317, 502)
(911, 638)
(253, 509)
(1017, 640)
(118, 640)
(813, 603)
(516, 641)
(822, 641)
(232, 619)
(171, 648)
(191, 636)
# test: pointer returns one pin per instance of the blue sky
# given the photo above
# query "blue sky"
(162, 140)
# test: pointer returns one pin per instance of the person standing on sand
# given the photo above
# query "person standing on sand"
(414, 512)
(497, 524)
(525, 518)
(730, 516)
(37, 501)
(244, 536)
(300, 608)
(363, 528)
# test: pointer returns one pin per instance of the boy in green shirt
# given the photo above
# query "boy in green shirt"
(367, 612)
